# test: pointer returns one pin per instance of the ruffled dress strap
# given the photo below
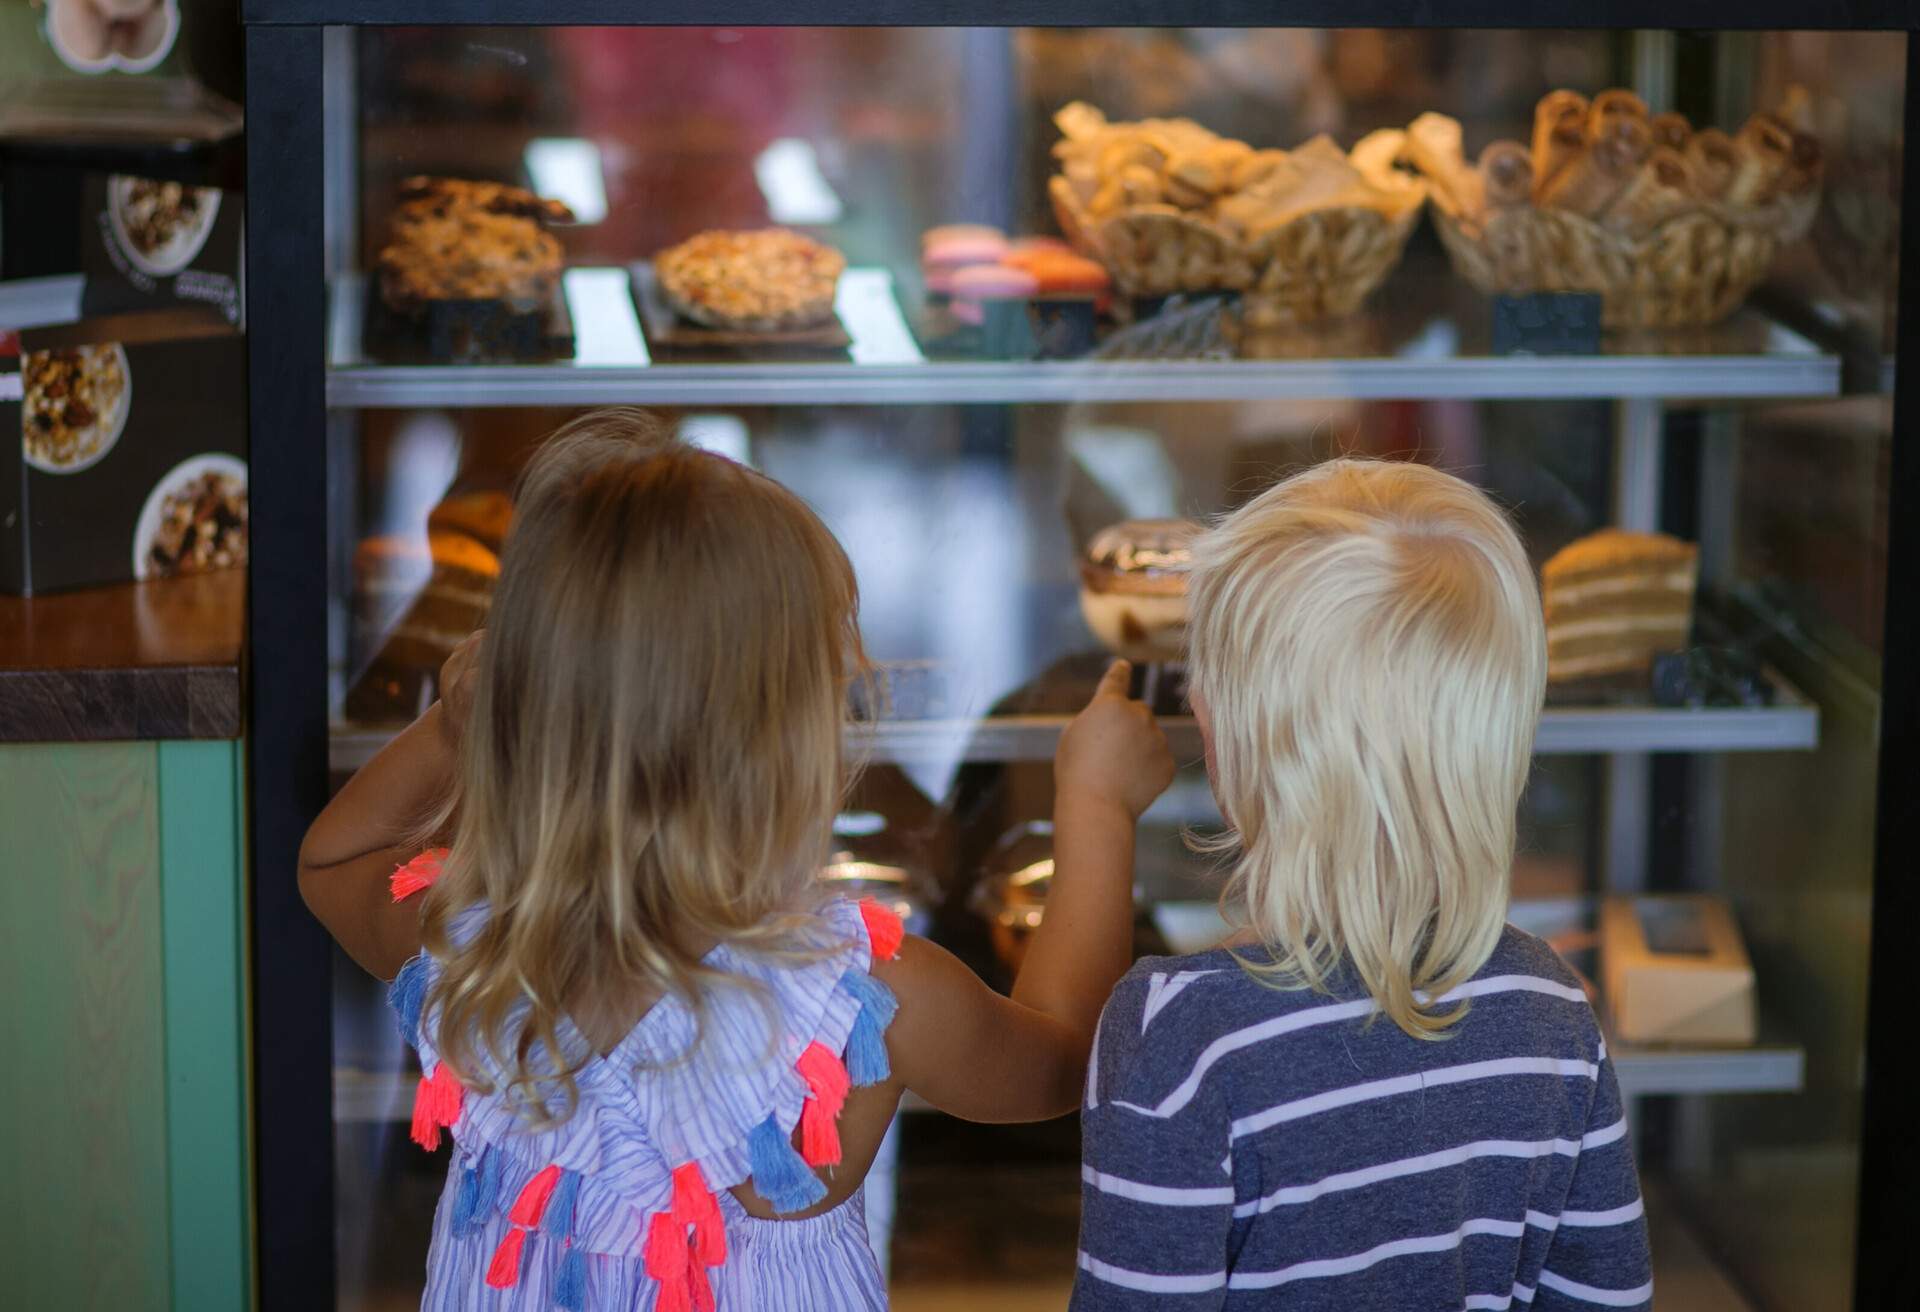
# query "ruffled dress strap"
(690, 1103)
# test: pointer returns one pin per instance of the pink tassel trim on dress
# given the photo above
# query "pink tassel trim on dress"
(504, 1271)
(417, 874)
(532, 1202)
(670, 1263)
(436, 1102)
(884, 930)
(694, 1205)
(827, 1083)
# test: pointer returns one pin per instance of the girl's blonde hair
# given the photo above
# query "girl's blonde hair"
(1368, 641)
(652, 760)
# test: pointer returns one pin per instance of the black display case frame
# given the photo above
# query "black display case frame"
(288, 764)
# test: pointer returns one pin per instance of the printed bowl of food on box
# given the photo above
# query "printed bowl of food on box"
(75, 404)
(159, 225)
(195, 519)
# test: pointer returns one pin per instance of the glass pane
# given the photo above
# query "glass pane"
(968, 450)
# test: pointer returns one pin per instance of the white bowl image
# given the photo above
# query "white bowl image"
(179, 479)
(98, 438)
(130, 202)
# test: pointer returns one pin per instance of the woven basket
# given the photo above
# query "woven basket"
(1317, 267)
(1688, 271)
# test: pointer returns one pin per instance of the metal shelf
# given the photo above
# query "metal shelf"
(1792, 724)
(1411, 352)
(1678, 1068)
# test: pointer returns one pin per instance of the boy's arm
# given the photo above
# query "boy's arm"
(348, 856)
(1599, 1253)
(1156, 1207)
(985, 1057)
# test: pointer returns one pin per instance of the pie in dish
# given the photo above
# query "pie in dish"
(765, 281)
(456, 240)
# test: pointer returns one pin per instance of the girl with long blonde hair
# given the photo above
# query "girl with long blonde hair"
(664, 1053)
(1376, 1094)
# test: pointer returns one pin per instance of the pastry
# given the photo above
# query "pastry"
(1506, 174)
(492, 197)
(1608, 105)
(1133, 587)
(1059, 272)
(1762, 154)
(765, 281)
(455, 240)
(1671, 130)
(1661, 189)
(1614, 600)
(1591, 180)
(1713, 159)
(482, 516)
(1559, 133)
(977, 284)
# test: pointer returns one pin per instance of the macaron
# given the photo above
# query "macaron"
(1030, 245)
(955, 252)
(960, 232)
(977, 284)
(1062, 272)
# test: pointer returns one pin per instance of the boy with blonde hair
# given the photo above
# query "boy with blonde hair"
(1377, 1095)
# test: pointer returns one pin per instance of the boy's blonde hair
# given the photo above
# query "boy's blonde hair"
(652, 760)
(1368, 641)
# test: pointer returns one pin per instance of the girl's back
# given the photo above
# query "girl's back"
(625, 1203)
(1292, 1148)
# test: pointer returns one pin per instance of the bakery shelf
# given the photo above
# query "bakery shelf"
(1792, 724)
(1414, 352)
(1681, 1068)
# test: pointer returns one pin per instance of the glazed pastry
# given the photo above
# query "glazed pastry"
(1506, 173)
(1662, 188)
(1559, 133)
(1712, 158)
(1588, 184)
(1671, 130)
(1608, 105)
(1763, 154)
(1614, 600)
(1133, 587)
(482, 516)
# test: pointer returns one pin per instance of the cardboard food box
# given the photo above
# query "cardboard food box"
(128, 450)
(149, 243)
(1675, 971)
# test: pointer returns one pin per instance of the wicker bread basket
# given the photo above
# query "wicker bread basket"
(1317, 266)
(1691, 270)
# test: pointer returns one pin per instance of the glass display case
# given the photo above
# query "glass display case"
(1194, 259)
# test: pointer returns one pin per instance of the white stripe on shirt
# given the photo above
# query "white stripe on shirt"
(1343, 1266)
(1434, 1161)
(1227, 1044)
(1152, 1284)
(1165, 1195)
(1592, 1294)
(1498, 1302)
(1399, 1084)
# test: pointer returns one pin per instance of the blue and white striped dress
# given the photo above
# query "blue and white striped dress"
(625, 1204)
(1246, 1147)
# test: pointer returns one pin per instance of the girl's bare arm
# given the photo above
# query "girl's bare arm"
(369, 827)
(985, 1057)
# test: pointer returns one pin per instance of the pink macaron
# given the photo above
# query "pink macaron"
(977, 284)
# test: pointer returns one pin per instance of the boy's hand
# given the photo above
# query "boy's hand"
(1114, 749)
(457, 678)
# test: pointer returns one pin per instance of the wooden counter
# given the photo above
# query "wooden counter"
(136, 661)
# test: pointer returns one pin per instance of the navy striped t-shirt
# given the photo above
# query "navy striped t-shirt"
(1247, 1147)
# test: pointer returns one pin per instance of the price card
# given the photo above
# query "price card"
(1547, 323)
